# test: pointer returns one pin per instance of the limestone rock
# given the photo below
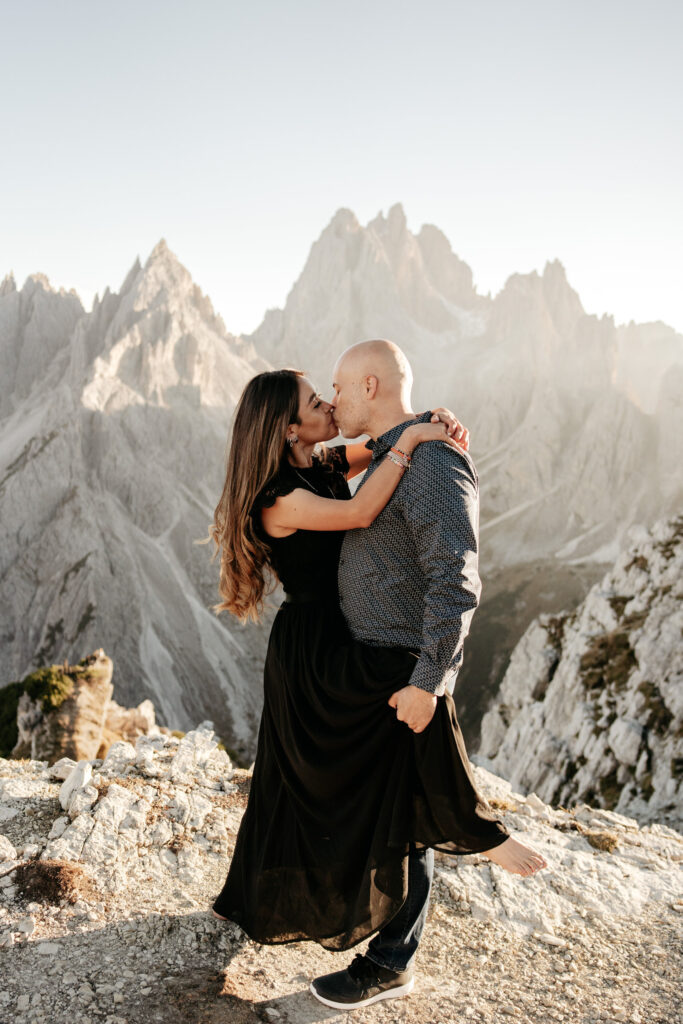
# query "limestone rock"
(62, 769)
(162, 820)
(66, 716)
(126, 724)
(81, 800)
(119, 755)
(7, 851)
(79, 777)
(591, 706)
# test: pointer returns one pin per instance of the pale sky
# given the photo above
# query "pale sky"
(526, 130)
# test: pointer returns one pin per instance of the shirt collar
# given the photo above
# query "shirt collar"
(387, 440)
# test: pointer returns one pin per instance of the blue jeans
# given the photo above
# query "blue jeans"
(395, 945)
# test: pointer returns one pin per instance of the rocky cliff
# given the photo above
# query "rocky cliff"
(112, 438)
(591, 706)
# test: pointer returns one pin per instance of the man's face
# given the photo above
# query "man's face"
(348, 407)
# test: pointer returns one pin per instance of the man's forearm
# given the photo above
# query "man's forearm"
(443, 519)
(441, 657)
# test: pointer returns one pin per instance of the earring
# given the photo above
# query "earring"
(291, 441)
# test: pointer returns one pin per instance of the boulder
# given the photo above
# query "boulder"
(62, 710)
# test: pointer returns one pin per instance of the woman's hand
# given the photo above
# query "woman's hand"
(454, 427)
(420, 432)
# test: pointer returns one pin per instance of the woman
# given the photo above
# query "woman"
(340, 788)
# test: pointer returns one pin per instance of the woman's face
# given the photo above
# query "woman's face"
(315, 416)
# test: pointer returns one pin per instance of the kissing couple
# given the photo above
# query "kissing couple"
(361, 771)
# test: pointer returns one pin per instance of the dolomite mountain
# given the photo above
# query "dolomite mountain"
(577, 424)
(112, 436)
(112, 442)
(591, 706)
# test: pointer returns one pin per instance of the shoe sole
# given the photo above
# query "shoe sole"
(390, 993)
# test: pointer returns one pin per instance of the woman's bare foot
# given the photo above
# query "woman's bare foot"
(219, 916)
(516, 857)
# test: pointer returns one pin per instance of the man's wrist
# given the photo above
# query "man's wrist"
(421, 689)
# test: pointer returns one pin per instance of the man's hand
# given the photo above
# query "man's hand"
(414, 706)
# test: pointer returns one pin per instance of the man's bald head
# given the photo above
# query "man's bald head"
(372, 382)
(381, 359)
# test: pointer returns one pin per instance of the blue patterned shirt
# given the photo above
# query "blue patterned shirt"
(411, 578)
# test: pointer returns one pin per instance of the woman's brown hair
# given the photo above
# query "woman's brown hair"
(269, 403)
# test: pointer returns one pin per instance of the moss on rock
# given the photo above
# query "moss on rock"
(51, 686)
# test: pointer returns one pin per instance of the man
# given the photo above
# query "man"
(409, 580)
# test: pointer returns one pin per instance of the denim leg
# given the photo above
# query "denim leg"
(395, 944)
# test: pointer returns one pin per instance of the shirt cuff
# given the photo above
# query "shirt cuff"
(427, 677)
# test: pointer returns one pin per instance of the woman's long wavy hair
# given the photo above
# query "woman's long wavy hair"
(269, 403)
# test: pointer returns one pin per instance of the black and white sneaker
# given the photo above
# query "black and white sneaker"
(363, 982)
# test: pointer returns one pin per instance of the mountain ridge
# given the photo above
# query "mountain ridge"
(113, 425)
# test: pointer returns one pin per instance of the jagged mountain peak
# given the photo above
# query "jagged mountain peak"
(560, 295)
(554, 270)
(343, 220)
(163, 282)
(130, 277)
(394, 225)
(448, 273)
(38, 281)
(8, 284)
(160, 250)
(549, 294)
(163, 260)
(160, 341)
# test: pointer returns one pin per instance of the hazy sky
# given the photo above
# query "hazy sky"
(525, 129)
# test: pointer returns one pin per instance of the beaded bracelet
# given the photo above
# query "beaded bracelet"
(398, 460)
(399, 451)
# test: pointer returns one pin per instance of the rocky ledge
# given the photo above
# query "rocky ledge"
(108, 869)
(67, 711)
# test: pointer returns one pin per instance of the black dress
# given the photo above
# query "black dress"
(340, 787)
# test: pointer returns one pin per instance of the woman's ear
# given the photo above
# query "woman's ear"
(292, 436)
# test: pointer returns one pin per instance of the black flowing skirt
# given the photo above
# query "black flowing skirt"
(341, 789)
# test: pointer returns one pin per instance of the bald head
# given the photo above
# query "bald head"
(372, 382)
(381, 359)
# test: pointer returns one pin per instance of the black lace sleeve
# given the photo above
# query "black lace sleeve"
(284, 483)
(327, 476)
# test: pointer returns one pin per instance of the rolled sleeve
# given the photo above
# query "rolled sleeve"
(440, 497)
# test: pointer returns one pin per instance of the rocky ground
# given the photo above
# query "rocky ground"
(108, 870)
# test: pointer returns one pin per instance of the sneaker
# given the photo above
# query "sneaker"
(363, 982)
